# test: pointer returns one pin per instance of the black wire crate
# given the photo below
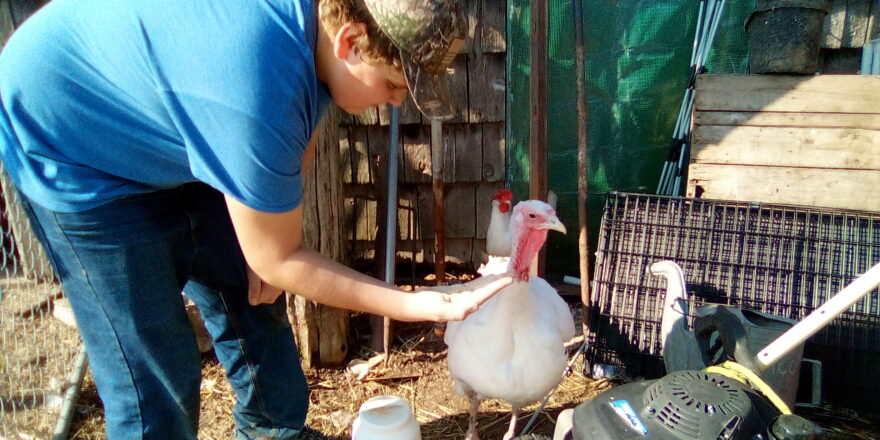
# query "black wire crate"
(783, 260)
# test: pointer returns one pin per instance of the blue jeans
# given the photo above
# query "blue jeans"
(123, 265)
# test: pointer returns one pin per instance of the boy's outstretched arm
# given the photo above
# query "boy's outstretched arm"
(271, 244)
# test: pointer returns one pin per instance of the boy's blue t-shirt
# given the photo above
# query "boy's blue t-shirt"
(106, 98)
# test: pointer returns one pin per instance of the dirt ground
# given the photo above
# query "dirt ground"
(415, 370)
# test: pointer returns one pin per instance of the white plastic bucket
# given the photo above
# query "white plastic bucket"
(385, 418)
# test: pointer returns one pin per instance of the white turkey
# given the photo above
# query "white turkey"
(512, 348)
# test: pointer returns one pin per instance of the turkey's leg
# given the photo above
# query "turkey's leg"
(514, 413)
(472, 426)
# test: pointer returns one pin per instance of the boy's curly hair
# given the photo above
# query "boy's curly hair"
(375, 46)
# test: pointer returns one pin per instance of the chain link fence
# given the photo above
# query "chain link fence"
(41, 357)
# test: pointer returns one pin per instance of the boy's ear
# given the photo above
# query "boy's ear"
(344, 41)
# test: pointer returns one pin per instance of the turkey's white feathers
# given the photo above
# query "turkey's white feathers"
(495, 265)
(512, 348)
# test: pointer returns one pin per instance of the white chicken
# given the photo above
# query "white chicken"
(512, 348)
(498, 234)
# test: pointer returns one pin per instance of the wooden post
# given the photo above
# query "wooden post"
(439, 208)
(322, 331)
(538, 105)
(380, 326)
(583, 172)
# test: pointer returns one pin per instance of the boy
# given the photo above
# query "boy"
(159, 147)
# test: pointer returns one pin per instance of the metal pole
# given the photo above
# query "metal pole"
(391, 219)
(73, 385)
(391, 223)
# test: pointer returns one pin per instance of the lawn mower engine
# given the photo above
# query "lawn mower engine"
(685, 405)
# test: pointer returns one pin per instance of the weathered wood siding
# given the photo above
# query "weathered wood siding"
(851, 23)
(848, 26)
(473, 151)
(807, 140)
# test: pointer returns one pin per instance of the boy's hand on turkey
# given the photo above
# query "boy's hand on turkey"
(455, 302)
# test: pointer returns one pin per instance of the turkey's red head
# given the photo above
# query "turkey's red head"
(529, 223)
(504, 196)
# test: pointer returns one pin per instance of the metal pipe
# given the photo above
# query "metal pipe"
(662, 177)
(710, 10)
(391, 218)
(684, 128)
(681, 111)
(73, 386)
(697, 32)
(681, 164)
(711, 37)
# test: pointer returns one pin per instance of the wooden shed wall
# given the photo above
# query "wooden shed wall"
(473, 150)
(851, 23)
(848, 26)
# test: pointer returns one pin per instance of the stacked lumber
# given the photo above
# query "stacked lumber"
(806, 140)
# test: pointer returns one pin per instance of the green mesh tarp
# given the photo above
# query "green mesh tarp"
(637, 63)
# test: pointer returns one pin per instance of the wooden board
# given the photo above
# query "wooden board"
(870, 121)
(365, 215)
(359, 154)
(847, 23)
(848, 189)
(493, 152)
(835, 22)
(787, 139)
(849, 148)
(473, 23)
(492, 26)
(459, 250)
(458, 88)
(461, 211)
(370, 116)
(425, 212)
(322, 330)
(345, 153)
(407, 223)
(416, 166)
(462, 153)
(486, 90)
(789, 93)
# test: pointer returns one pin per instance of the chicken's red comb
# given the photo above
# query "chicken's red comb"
(504, 195)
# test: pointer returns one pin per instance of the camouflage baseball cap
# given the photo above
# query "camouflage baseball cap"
(428, 34)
